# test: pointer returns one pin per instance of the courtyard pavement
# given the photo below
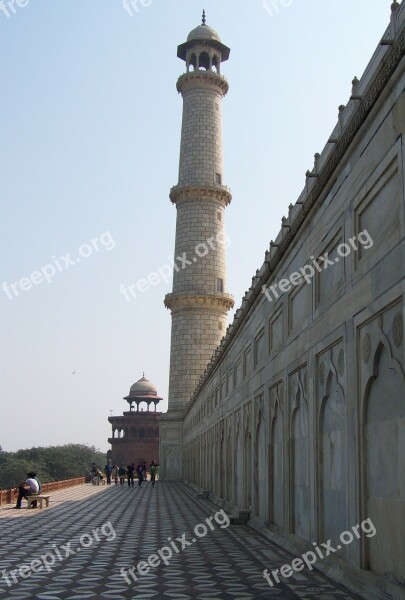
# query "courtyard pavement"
(225, 562)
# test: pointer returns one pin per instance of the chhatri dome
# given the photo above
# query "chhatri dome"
(203, 32)
(199, 41)
(142, 391)
(143, 387)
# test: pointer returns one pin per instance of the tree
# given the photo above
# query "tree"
(51, 464)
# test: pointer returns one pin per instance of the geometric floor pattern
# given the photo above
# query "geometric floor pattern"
(84, 562)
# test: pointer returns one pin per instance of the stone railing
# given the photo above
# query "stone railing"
(9, 496)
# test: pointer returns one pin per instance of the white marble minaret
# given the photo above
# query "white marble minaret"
(199, 302)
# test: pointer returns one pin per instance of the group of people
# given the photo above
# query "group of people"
(33, 487)
(121, 473)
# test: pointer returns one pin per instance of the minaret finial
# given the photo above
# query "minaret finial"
(143, 373)
(203, 17)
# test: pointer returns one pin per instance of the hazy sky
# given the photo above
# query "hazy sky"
(90, 131)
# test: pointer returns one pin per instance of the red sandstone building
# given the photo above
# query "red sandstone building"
(135, 434)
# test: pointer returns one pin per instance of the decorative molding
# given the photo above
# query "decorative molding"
(259, 403)
(341, 362)
(179, 302)
(327, 370)
(237, 417)
(366, 348)
(398, 330)
(246, 418)
(202, 79)
(297, 394)
(379, 341)
(220, 194)
(322, 372)
(276, 399)
(229, 428)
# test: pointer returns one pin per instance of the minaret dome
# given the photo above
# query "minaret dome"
(203, 49)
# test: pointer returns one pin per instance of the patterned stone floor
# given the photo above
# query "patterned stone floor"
(134, 523)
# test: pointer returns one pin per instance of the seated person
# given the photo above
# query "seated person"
(94, 474)
(30, 487)
(96, 477)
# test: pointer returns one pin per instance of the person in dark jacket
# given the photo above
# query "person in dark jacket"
(139, 470)
(130, 474)
(121, 474)
(108, 470)
(153, 471)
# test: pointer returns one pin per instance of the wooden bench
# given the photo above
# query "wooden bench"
(39, 498)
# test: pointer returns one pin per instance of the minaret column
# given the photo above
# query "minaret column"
(199, 302)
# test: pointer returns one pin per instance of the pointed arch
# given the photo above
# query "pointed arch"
(332, 459)
(260, 466)
(276, 468)
(383, 451)
(299, 456)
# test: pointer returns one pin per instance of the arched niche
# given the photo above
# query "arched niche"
(383, 440)
(332, 449)
(260, 467)
(276, 462)
(300, 466)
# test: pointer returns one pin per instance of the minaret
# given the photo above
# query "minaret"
(199, 303)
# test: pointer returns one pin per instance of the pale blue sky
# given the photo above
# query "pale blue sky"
(90, 131)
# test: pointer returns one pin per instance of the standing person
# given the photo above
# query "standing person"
(108, 470)
(121, 474)
(130, 474)
(139, 470)
(30, 487)
(152, 471)
(144, 476)
(114, 474)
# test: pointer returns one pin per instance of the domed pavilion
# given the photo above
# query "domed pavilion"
(142, 391)
(135, 434)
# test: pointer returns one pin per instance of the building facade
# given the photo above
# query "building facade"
(299, 415)
(135, 434)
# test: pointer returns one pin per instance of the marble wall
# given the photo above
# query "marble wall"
(300, 415)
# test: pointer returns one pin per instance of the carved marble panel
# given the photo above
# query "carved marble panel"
(380, 360)
(332, 452)
(299, 454)
(277, 454)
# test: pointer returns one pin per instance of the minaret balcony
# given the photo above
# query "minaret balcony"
(222, 301)
(216, 191)
(202, 78)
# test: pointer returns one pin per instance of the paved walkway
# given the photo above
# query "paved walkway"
(133, 524)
